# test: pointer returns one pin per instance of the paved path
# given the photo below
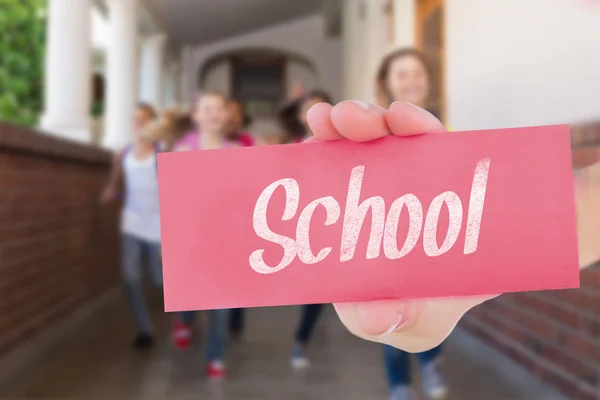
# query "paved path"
(96, 363)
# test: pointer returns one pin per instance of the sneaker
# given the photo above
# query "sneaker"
(215, 370)
(143, 341)
(402, 393)
(181, 335)
(299, 359)
(434, 382)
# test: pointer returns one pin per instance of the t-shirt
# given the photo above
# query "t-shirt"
(191, 141)
(140, 216)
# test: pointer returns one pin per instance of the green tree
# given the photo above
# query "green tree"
(22, 43)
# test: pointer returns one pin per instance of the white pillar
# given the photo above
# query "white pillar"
(171, 86)
(376, 45)
(187, 82)
(121, 72)
(177, 95)
(404, 23)
(68, 70)
(353, 59)
(152, 70)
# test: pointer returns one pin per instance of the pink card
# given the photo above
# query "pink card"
(438, 215)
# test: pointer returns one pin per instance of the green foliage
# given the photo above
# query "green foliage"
(22, 42)
(97, 109)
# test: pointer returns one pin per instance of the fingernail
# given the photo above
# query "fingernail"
(361, 104)
(419, 109)
(424, 111)
(400, 321)
(415, 106)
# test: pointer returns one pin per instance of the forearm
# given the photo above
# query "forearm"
(587, 200)
(114, 180)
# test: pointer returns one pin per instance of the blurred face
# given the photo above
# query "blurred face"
(407, 80)
(236, 115)
(211, 114)
(306, 105)
(141, 118)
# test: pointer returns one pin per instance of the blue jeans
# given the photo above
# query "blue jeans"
(397, 363)
(217, 332)
(236, 320)
(133, 249)
(308, 320)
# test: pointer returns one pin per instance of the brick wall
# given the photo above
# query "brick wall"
(58, 245)
(556, 334)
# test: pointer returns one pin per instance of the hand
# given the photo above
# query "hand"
(411, 325)
(298, 90)
(108, 195)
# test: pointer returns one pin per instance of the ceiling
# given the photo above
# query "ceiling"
(203, 21)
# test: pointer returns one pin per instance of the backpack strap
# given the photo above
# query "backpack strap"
(126, 150)
(129, 147)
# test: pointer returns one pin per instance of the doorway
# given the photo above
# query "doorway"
(259, 82)
(430, 28)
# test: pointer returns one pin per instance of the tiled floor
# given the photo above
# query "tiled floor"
(97, 364)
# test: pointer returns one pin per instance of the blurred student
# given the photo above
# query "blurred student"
(292, 116)
(134, 174)
(238, 123)
(211, 117)
(404, 75)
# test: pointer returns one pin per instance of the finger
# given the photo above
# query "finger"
(359, 121)
(405, 119)
(413, 326)
(319, 121)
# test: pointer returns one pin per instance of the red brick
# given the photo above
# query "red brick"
(581, 346)
(551, 334)
(530, 301)
(590, 278)
(564, 360)
(569, 387)
(585, 301)
(590, 327)
(587, 394)
(58, 246)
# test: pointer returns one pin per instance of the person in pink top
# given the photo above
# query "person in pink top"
(211, 117)
(233, 134)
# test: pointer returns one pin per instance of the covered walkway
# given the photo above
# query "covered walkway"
(95, 362)
(59, 245)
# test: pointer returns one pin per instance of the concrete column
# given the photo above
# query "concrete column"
(121, 72)
(68, 70)
(171, 86)
(152, 70)
(376, 45)
(187, 80)
(353, 60)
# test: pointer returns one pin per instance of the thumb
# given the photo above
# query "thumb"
(412, 325)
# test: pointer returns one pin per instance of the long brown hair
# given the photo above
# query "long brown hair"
(234, 135)
(384, 97)
(167, 129)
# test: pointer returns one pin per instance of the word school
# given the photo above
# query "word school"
(382, 228)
